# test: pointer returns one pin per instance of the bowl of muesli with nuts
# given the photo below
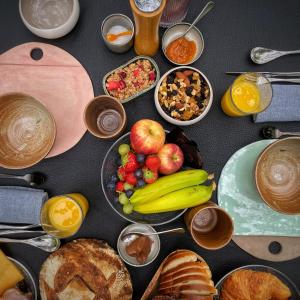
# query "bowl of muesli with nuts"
(183, 96)
(132, 79)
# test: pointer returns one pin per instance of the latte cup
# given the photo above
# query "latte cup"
(211, 226)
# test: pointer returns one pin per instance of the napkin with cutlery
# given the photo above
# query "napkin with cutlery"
(284, 107)
(21, 204)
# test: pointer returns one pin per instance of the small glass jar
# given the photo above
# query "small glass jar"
(174, 12)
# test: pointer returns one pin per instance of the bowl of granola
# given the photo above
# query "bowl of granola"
(183, 96)
(132, 79)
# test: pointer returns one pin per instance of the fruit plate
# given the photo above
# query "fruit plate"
(294, 291)
(109, 168)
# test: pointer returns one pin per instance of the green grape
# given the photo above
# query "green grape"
(123, 199)
(128, 208)
(123, 149)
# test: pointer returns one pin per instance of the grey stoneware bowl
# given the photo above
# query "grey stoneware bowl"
(175, 31)
(113, 20)
(49, 19)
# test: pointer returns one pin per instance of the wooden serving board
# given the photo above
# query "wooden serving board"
(57, 79)
(258, 246)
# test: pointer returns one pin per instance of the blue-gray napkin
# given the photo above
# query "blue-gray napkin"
(285, 105)
(21, 204)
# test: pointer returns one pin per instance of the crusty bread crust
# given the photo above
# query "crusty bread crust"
(87, 268)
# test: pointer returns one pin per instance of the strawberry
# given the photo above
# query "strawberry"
(152, 75)
(112, 85)
(131, 179)
(152, 162)
(121, 173)
(122, 75)
(136, 72)
(119, 187)
(149, 176)
(129, 162)
(122, 84)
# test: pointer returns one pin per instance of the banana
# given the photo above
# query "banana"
(184, 198)
(168, 184)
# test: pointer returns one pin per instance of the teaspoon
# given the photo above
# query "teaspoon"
(131, 235)
(32, 179)
(46, 242)
(207, 8)
(270, 132)
(261, 55)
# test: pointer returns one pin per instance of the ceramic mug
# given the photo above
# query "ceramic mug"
(210, 226)
(105, 117)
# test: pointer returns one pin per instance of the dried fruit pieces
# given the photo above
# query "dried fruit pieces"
(184, 94)
(133, 78)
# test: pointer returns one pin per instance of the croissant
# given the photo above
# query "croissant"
(253, 285)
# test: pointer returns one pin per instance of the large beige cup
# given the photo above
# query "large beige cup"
(210, 226)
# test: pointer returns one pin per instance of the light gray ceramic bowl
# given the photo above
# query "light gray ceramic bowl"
(169, 118)
(113, 20)
(155, 247)
(175, 31)
(47, 9)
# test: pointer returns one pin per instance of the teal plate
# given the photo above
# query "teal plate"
(238, 195)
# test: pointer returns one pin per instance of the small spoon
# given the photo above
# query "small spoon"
(46, 242)
(131, 235)
(111, 37)
(261, 55)
(32, 179)
(207, 8)
(270, 132)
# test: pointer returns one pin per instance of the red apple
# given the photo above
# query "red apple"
(147, 137)
(171, 159)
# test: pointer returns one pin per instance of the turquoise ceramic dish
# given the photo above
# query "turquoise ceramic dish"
(238, 195)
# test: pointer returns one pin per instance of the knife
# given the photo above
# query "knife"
(275, 74)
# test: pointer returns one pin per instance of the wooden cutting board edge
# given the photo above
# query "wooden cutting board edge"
(258, 246)
(53, 56)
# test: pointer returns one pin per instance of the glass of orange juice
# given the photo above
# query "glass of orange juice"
(62, 216)
(249, 94)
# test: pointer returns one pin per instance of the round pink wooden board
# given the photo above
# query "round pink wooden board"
(58, 80)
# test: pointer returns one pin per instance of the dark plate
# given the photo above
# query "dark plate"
(109, 167)
(262, 268)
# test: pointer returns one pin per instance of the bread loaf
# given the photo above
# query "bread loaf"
(183, 276)
(85, 269)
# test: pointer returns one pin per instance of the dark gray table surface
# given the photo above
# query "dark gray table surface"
(230, 31)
